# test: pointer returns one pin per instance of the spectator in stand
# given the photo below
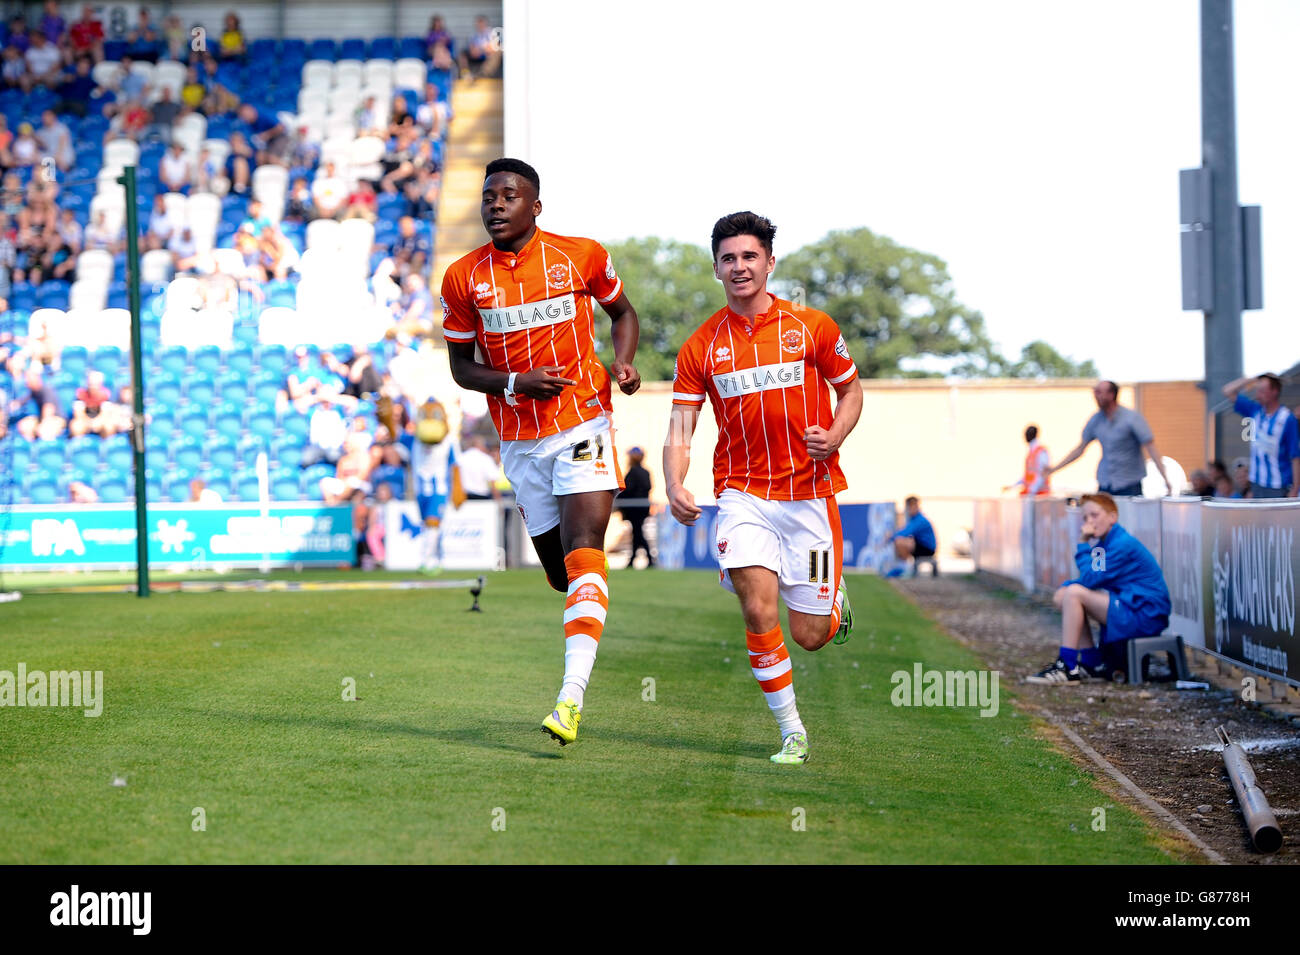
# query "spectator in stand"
(130, 84)
(369, 122)
(1241, 485)
(257, 220)
(1124, 592)
(12, 201)
(55, 141)
(415, 307)
(404, 163)
(52, 424)
(164, 111)
(200, 493)
(195, 90)
(409, 239)
(1200, 485)
(431, 115)
(306, 152)
(19, 38)
(362, 203)
(101, 235)
(44, 63)
(400, 117)
(53, 26)
(87, 416)
(352, 472)
(914, 539)
(636, 487)
(176, 37)
(1124, 435)
(239, 163)
(26, 151)
(76, 88)
(184, 250)
(161, 225)
(130, 121)
(144, 38)
(388, 460)
(325, 435)
(1223, 488)
(437, 34)
(232, 38)
(482, 58)
(422, 195)
(266, 135)
(301, 383)
(174, 170)
(206, 171)
(278, 257)
(478, 471)
(247, 247)
(26, 405)
(357, 374)
(13, 70)
(8, 258)
(329, 192)
(81, 493)
(299, 207)
(1034, 478)
(86, 36)
(1274, 436)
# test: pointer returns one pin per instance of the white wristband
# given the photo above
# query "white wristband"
(510, 389)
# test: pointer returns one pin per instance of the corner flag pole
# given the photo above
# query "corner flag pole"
(127, 181)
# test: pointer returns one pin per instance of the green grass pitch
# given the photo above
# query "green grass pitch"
(233, 703)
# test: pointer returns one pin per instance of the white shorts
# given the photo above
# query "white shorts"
(800, 541)
(575, 461)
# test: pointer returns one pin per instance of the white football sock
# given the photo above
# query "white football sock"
(579, 658)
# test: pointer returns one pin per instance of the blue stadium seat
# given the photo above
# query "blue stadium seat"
(234, 387)
(176, 486)
(284, 485)
(200, 389)
(250, 445)
(207, 358)
(413, 46)
(263, 48)
(118, 454)
(75, 360)
(42, 492)
(63, 481)
(50, 455)
(188, 453)
(108, 359)
(352, 48)
(245, 485)
(244, 332)
(266, 385)
(296, 424)
(84, 452)
(21, 452)
(174, 359)
(321, 49)
(274, 359)
(52, 294)
(162, 422)
(228, 421)
(114, 49)
(261, 421)
(287, 451)
(239, 360)
(194, 423)
(218, 478)
(223, 454)
(112, 490)
(383, 48)
(23, 295)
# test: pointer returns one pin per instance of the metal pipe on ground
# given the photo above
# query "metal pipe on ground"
(1260, 821)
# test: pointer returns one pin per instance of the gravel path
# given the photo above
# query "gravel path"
(1161, 738)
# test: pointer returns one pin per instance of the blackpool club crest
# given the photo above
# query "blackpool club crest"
(792, 342)
(557, 276)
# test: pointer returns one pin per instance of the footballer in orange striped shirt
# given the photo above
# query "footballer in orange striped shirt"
(768, 367)
(519, 323)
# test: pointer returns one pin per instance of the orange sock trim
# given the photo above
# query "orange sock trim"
(768, 650)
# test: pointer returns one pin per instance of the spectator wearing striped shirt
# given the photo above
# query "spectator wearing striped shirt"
(1273, 433)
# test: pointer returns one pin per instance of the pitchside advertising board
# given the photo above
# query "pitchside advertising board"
(73, 536)
(469, 537)
(866, 529)
(1230, 567)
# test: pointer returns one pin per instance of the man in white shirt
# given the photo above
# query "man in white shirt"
(325, 435)
(329, 193)
(478, 471)
(174, 169)
(43, 62)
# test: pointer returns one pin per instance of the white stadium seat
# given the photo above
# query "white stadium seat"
(323, 234)
(410, 74)
(96, 264)
(155, 267)
(88, 294)
(105, 73)
(183, 294)
(379, 70)
(348, 73)
(317, 73)
(120, 153)
(208, 327)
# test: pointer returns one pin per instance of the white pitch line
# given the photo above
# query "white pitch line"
(1141, 795)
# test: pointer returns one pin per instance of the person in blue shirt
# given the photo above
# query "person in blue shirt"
(1273, 434)
(1120, 586)
(914, 539)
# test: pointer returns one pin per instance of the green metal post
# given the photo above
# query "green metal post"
(127, 180)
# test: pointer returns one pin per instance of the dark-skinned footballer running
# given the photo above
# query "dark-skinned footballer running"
(518, 320)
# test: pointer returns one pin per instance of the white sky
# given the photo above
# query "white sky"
(1034, 146)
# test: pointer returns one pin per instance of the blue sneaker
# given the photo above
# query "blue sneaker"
(896, 572)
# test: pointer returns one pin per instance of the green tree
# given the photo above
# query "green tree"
(1040, 360)
(672, 288)
(891, 303)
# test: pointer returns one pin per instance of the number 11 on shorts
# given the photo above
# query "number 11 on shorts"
(818, 558)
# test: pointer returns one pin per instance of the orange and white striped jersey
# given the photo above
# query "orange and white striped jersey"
(529, 309)
(767, 381)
